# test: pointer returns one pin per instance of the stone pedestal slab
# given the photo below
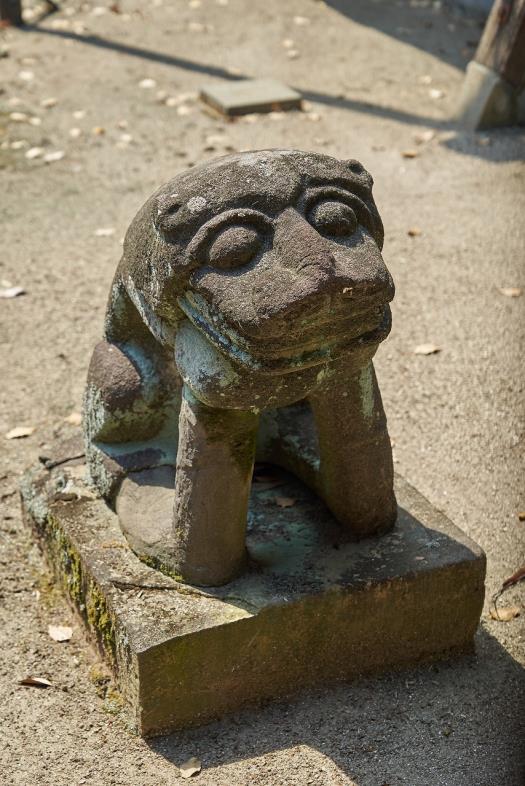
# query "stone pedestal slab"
(311, 609)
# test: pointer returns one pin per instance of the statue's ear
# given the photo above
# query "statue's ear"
(165, 208)
(358, 169)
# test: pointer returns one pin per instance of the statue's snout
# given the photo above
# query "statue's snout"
(299, 246)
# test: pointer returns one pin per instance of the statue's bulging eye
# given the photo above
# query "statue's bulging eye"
(233, 247)
(333, 218)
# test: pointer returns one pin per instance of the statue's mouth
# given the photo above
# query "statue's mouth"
(320, 342)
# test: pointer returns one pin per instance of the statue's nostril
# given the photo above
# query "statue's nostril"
(318, 261)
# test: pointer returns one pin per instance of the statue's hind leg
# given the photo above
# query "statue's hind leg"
(337, 443)
(132, 400)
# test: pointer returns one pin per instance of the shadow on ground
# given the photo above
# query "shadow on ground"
(464, 143)
(377, 732)
(421, 18)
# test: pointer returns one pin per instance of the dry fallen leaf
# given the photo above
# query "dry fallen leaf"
(414, 232)
(10, 292)
(48, 103)
(516, 577)
(510, 291)
(285, 502)
(505, 613)
(426, 349)
(410, 153)
(56, 155)
(19, 117)
(35, 682)
(75, 419)
(263, 478)
(98, 130)
(511, 581)
(60, 632)
(190, 767)
(424, 136)
(34, 152)
(19, 432)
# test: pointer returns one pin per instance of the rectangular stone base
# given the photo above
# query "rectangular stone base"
(310, 611)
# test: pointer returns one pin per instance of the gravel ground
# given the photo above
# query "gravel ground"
(377, 75)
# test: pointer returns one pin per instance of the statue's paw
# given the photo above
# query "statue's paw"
(110, 463)
(144, 506)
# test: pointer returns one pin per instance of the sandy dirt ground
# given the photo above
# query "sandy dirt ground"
(376, 76)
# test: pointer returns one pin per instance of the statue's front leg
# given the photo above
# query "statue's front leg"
(356, 470)
(212, 487)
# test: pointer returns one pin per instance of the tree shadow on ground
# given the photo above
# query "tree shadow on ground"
(415, 24)
(466, 144)
(456, 723)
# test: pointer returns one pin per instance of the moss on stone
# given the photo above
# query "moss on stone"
(66, 560)
(99, 618)
(113, 702)
(83, 591)
(158, 564)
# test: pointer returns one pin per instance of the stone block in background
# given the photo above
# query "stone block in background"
(244, 96)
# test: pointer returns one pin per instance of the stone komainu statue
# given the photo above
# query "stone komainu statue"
(248, 304)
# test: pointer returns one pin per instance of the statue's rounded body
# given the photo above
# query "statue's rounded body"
(248, 285)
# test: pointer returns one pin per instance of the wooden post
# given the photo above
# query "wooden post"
(496, 75)
(11, 12)
(502, 45)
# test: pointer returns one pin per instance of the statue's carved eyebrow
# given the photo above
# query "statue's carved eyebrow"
(188, 217)
(241, 215)
(333, 191)
(346, 184)
(359, 199)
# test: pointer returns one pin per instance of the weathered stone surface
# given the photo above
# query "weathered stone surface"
(243, 96)
(249, 285)
(311, 609)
